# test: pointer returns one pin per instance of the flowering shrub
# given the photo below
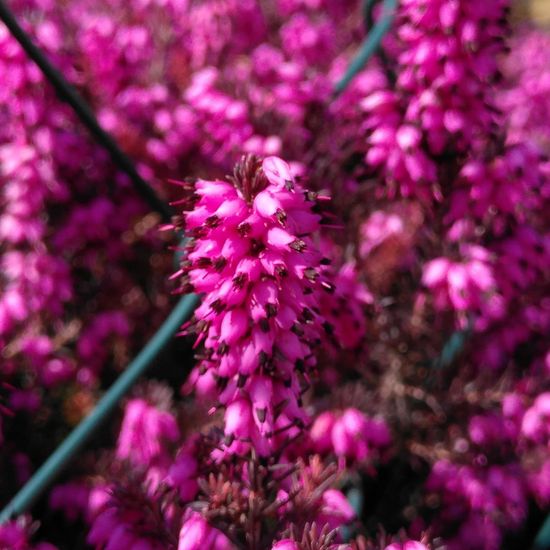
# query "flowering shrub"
(369, 363)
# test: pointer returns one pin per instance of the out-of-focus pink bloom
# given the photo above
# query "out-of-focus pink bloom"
(183, 474)
(465, 286)
(71, 498)
(479, 496)
(539, 483)
(144, 432)
(286, 544)
(349, 435)
(535, 424)
(321, 431)
(15, 535)
(344, 308)
(335, 510)
(196, 534)
(408, 545)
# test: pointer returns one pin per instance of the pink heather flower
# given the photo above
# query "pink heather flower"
(25, 400)
(356, 437)
(336, 510)
(71, 498)
(15, 535)
(539, 484)
(183, 473)
(196, 534)
(144, 432)
(493, 499)
(408, 545)
(487, 429)
(253, 258)
(379, 227)
(465, 286)
(321, 432)
(286, 544)
(507, 185)
(131, 517)
(344, 308)
(525, 97)
(103, 326)
(394, 148)
(349, 435)
(450, 98)
(535, 424)
(308, 39)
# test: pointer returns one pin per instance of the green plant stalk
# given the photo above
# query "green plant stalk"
(47, 473)
(369, 46)
(542, 540)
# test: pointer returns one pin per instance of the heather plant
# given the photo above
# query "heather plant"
(369, 358)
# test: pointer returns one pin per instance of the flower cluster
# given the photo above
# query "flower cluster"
(350, 435)
(254, 259)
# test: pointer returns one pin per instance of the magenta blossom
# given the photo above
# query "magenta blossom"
(351, 435)
(196, 534)
(408, 545)
(253, 259)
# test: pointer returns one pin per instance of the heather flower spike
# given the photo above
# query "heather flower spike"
(253, 258)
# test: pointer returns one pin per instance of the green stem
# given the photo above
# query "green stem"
(47, 473)
(369, 46)
(542, 540)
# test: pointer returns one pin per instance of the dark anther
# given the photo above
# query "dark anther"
(281, 270)
(212, 221)
(240, 280)
(329, 329)
(307, 315)
(202, 326)
(187, 288)
(264, 325)
(244, 229)
(261, 414)
(281, 217)
(298, 245)
(311, 196)
(219, 263)
(241, 380)
(223, 348)
(310, 273)
(329, 287)
(222, 382)
(198, 232)
(203, 262)
(178, 221)
(217, 305)
(256, 247)
(270, 310)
